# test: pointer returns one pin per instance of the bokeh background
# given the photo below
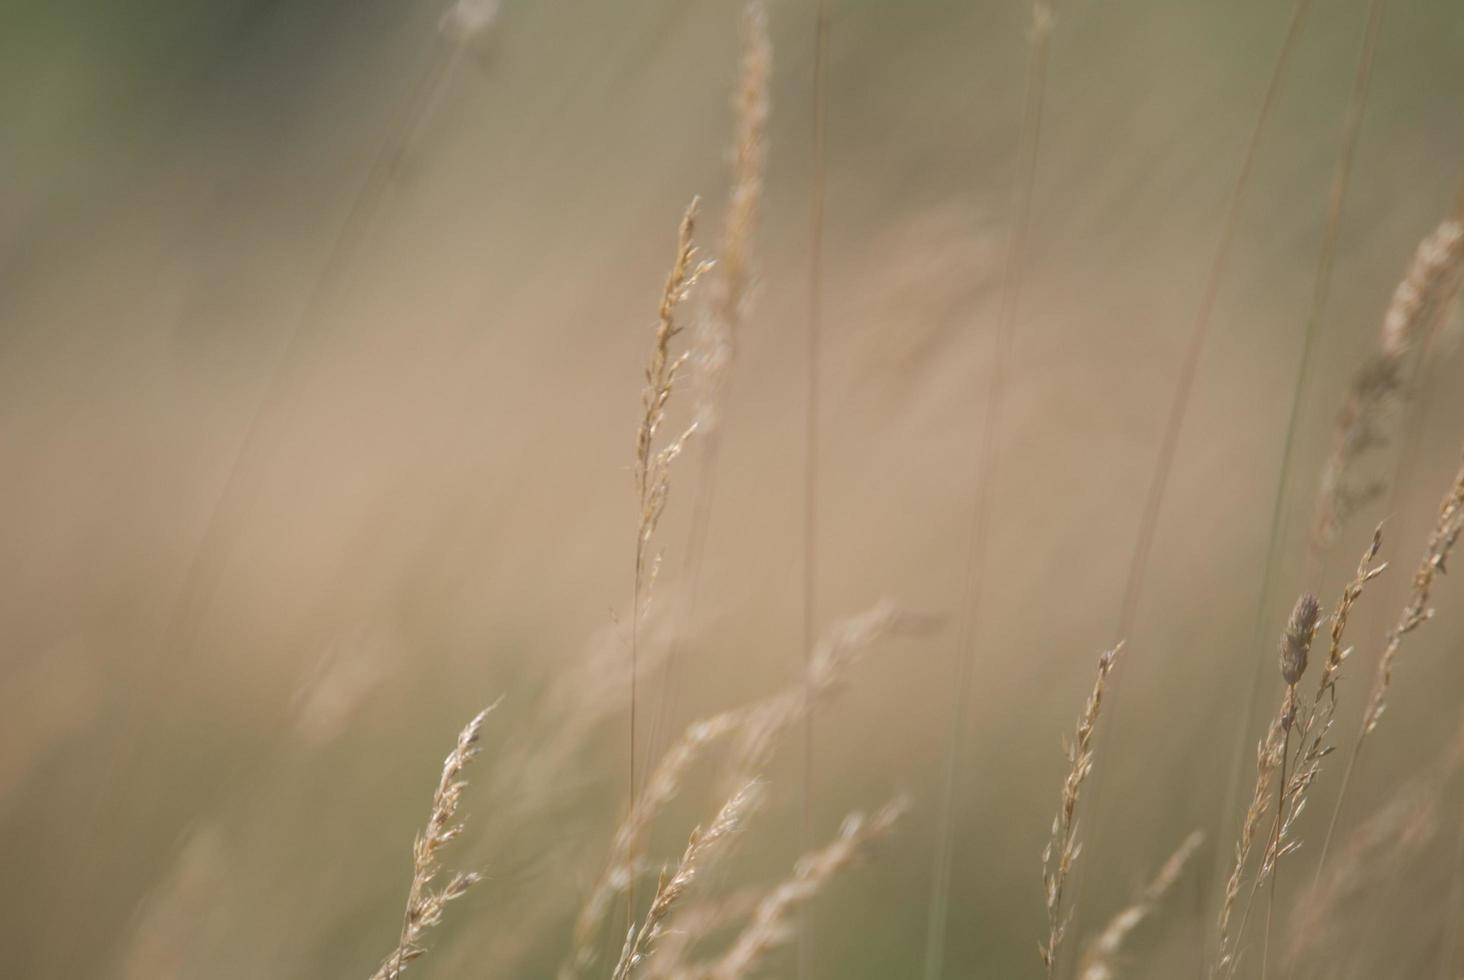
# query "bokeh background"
(321, 337)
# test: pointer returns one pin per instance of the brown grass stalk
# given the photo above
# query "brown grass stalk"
(1271, 756)
(1311, 722)
(653, 457)
(622, 865)
(700, 852)
(1417, 611)
(1177, 412)
(756, 728)
(424, 904)
(716, 331)
(1063, 848)
(772, 920)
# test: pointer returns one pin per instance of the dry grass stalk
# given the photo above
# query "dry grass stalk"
(622, 866)
(1268, 758)
(653, 463)
(1271, 755)
(1313, 723)
(424, 904)
(1296, 642)
(772, 920)
(757, 727)
(1063, 849)
(700, 850)
(1336, 652)
(717, 332)
(1427, 288)
(1100, 958)
(693, 924)
(1417, 611)
(1291, 793)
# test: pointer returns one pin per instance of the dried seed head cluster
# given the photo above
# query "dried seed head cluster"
(1417, 612)
(621, 866)
(1063, 848)
(1296, 641)
(700, 851)
(1336, 652)
(1312, 724)
(425, 904)
(653, 465)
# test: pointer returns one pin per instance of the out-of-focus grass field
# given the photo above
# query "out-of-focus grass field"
(316, 430)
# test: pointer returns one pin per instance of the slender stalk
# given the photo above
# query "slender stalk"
(811, 429)
(1416, 612)
(1062, 849)
(718, 331)
(1137, 572)
(425, 905)
(987, 466)
(653, 458)
(1275, 846)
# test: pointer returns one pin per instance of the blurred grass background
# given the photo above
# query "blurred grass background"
(294, 486)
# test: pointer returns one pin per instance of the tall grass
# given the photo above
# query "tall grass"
(691, 854)
(695, 928)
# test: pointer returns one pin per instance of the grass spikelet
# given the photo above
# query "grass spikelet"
(1101, 957)
(772, 920)
(1063, 849)
(698, 856)
(424, 904)
(1427, 288)
(1417, 611)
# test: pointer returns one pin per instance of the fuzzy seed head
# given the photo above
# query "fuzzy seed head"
(1296, 641)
